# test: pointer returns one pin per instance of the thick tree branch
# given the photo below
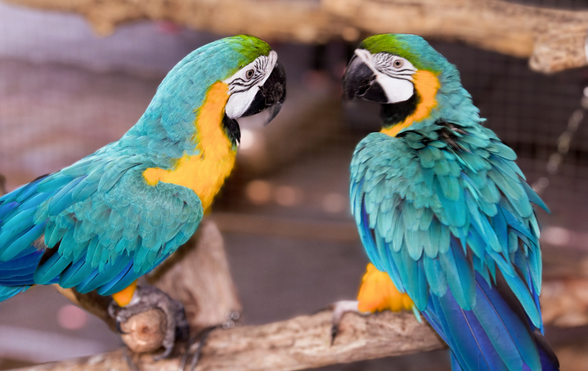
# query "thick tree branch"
(554, 40)
(304, 342)
(564, 302)
(300, 343)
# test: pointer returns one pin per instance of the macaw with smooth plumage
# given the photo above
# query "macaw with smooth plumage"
(443, 209)
(113, 216)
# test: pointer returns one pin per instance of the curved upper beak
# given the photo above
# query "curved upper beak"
(360, 81)
(271, 95)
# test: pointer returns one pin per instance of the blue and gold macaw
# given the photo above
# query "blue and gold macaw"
(113, 216)
(444, 210)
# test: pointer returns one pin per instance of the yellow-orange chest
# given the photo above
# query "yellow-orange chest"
(206, 171)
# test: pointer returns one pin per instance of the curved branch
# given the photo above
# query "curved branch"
(554, 40)
(304, 342)
(296, 344)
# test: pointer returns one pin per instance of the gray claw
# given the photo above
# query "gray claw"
(334, 332)
(201, 337)
(167, 351)
(118, 328)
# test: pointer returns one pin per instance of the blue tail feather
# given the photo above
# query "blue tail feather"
(495, 335)
(454, 363)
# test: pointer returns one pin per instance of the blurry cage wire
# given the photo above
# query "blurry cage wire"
(563, 144)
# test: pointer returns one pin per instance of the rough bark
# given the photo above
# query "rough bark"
(564, 302)
(302, 21)
(144, 332)
(299, 343)
(554, 40)
(304, 342)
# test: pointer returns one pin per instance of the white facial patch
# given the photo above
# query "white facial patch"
(396, 90)
(245, 83)
(393, 73)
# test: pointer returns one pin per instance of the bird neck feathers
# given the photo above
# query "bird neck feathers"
(417, 108)
(205, 171)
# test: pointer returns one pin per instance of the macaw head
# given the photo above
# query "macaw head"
(229, 78)
(403, 72)
(257, 81)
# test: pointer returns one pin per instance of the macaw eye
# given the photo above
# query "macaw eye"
(398, 63)
(249, 74)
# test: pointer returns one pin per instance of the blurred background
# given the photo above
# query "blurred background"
(290, 239)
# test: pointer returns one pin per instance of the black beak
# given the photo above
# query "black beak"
(271, 95)
(360, 81)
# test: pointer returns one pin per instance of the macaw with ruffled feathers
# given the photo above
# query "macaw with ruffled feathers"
(443, 209)
(113, 216)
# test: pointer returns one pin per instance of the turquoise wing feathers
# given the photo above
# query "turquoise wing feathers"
(434, 210)
(102, 224)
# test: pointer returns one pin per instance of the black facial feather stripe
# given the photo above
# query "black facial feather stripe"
(259, 71)
(407, 70)
(401, 77)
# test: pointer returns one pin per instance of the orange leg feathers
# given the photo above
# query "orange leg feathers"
(124, 297)
(378, 293)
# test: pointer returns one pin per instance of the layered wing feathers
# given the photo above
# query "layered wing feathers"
(97, 224)
(440, 211)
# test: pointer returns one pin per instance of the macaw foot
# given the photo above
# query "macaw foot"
(377, 293)
(339, 309)
(146, 298)
(199, 340)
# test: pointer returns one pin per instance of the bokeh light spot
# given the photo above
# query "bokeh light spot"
(259, 192)
(71, 317)
(288, 196)
(247, 139)
(334, 203)
(557, 236)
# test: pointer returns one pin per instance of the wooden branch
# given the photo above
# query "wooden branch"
(554, 40)
(304, 342)
(302, 21)
(144, 332)
(2, 184)
(564, 302)
(300, 343)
